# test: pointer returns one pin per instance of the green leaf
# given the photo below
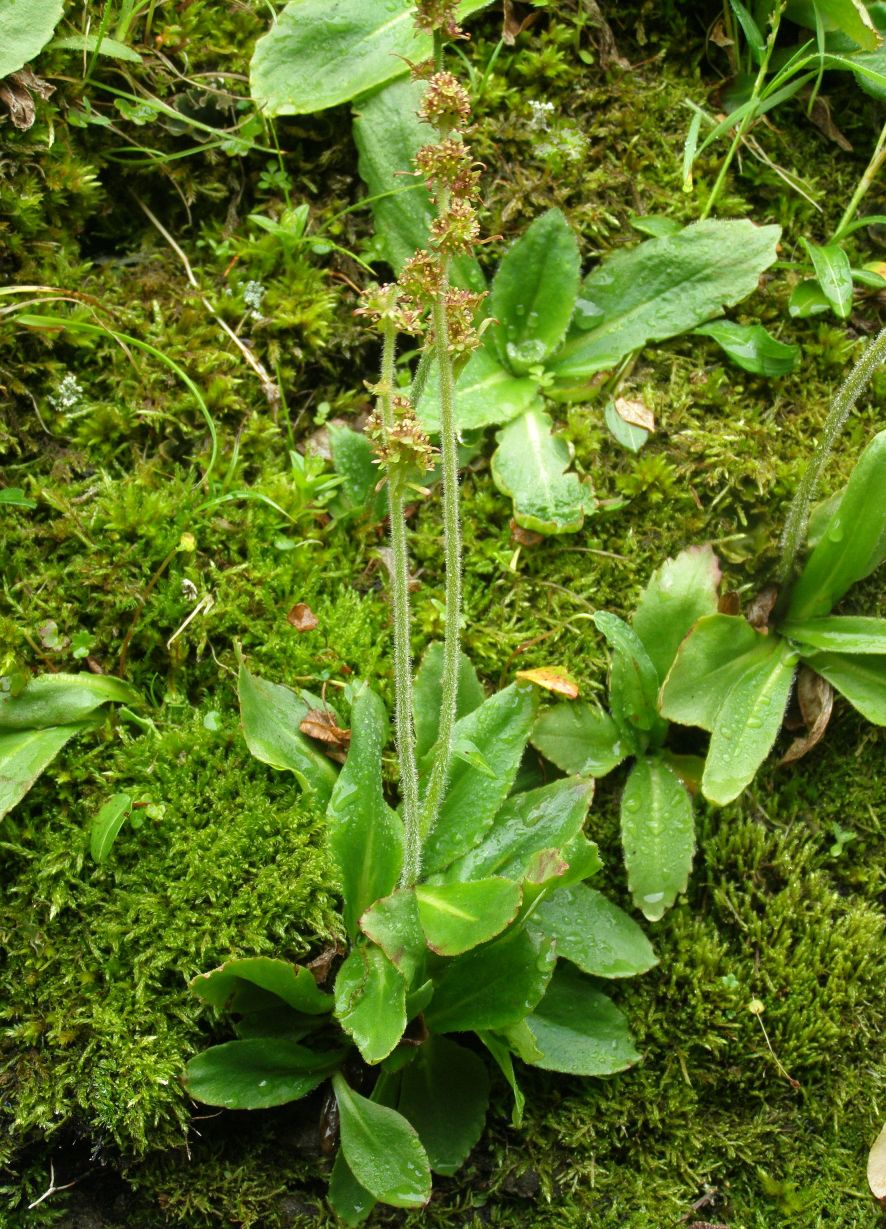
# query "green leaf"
(26, 26)
(718, 650)
(807, 299)
(62, 699)
(579, 1030)
(633, 686)
(492, 986)
(107, 824)
(500, 1051)
(656, 225)
(661, 288)
(445, 1095)
(583, 860)
(850, 17)
(658, 835)
(853, 543)
(751, 30)
(486, 395)
(270, 715)
(839, 634)
(529, 465)
(258, 1073)
(834, 274)
(594, 933)
(393, 923)
(752, 347)
(426, 697)
(388, 135)
(14, 497)
(323, 52)
(24, 755)
(232, 986)
(103, 45)
(365, 835)
(862, 680)
(748, 721)
(579, 738)
(534, 291)
(545, 818)
(382, 1150)
(679, 593)
(370, 1001)
(499, 728)
(354, 460)
(459, 916)
(627, 434)
(350, 1201)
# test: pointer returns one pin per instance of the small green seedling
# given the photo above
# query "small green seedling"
(734, 678)
(657, 823)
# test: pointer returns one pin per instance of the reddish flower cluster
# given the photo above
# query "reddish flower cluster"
(406, 443)
(439, 15)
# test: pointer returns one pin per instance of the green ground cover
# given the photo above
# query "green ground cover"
(745, 1119)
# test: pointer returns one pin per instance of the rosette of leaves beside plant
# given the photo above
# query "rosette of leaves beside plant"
(501, 937)
(657, 821)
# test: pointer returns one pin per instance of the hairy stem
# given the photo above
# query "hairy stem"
(798, 514)
(452, 551)
(403, 710)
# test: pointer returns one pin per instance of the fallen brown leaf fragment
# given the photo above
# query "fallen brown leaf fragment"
(877, 1168)
(321, 725)
(552, 678)
(302, 618)
(635, 413)
(815, 696)
(17, 92)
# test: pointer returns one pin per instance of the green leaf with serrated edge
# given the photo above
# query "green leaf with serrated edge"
(860, 680)
(593, 933)
(319, 53)
(426, 696)
(24, 755)
(492, 986)
(533, 293)
(26, 26)
(365, 835)
(718, 650)
(388, 135)
(807, 299)
(382, 1150)
(445, 1095)
(661, 288)
(839, 634)
(751, 347)
(500, 729)
(502, 1055)
(583, 860)
(62, 699)
(633, 679)
(678, 594)
(834, 275)
(229, 986)
(748, 722)
(393, 924)
(658, 835)
(270, 715)
(545, 818)
(370, 1001)
(579, 738)
(853, 543)
(579, 1030)
(457, 917)
(486, 395)
(107, 824)
(350, 1201)
(530, 466)
(257, 1074)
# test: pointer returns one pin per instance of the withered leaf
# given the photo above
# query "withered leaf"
(815, 696)
(636, 413)
(513, 24)
(821, 118)
(302, 618)
(552, 678)
(17, 91)
(877, 1168)
(525, 537)
(320, 724)
(729, 603)
(761, 608)
(718, 35)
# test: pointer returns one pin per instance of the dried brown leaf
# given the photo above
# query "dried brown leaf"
(877, 1168)
(513, 24)
(552, 678)
(761, 608)
(815, 697)
(320, 724)
(821, 118)
(17, 91)
(525, 537)
(729, 603)
(636, 413)
(302, 618)
(719, 37)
